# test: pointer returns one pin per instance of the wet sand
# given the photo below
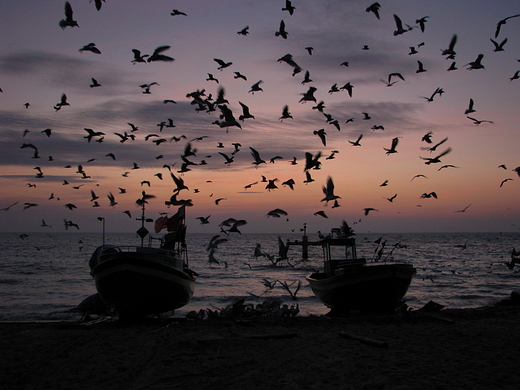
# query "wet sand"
(451, 349)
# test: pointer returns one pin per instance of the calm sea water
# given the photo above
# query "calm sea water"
(45, 276)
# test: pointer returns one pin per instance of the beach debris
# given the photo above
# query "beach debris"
(364, 340)
(239, 310)
(432, 307)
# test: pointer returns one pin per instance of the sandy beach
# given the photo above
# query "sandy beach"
(450, 349)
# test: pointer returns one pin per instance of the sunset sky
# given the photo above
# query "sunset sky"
(39, 61)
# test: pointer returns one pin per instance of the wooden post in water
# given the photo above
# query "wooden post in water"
(305, 243)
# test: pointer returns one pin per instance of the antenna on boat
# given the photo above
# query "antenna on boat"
(142, 231)
(103, 220)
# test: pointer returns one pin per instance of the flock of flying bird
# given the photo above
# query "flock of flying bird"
(205, 102)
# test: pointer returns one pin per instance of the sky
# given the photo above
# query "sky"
(40, 61)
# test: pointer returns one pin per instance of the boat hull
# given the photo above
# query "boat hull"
(139, 284)
(365, 288)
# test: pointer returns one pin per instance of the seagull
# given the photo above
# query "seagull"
(290, 183)
(309, 95)
(285, 113)
(276, 213)
(369, 209)
(399, 25)
(328, 191)
(435, 159)
(98, 3)
(238, 75)
(244, 31)
(498, 46)
(211, 78)
(421, 22)
(428, 195)
(502, 22)
(356, 142)
(90, 47)
(245, 112)
(203, 220)
(463, 210)
(281, 31)
(256, 156)
(321, 214)
(421, 67)
(309, 50)
(392, 147)
(505, 180)
(228, 159)
(138, 57)
(434, 147)
(391, 199)
(68, 21)
(478, 122)
(418, 176)
(374, 8)
(516, 76)
(157, 56)
(450, 52)
(477, 64)
(177, 12)
(236, 224)
(307, 78)
(112, 199)
(321, 133)
(470, 109)
(289, 7)
(222, 64)
(94, 83)
(63, 102)
(256, 87)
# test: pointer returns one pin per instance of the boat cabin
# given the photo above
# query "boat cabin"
(339, 253)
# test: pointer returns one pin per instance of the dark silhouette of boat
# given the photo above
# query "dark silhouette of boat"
(138, 281)
(351, 283)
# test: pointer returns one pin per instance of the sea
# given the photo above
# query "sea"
(45, 276)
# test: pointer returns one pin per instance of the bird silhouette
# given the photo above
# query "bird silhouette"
(477, 64)
(256, 156)
(321, 133)
(374, 8)
(256, 87)
(288, 7)
(138, 57)
(502, 22)
(356, 142)
(392, 147)
(244, 31)
(421, 22)
(157, 56)
(328, 191)
(90, 47)
(222, 64)
(309, 95)
(281, 31)
(69, 20)
(285, 113)
(176, 12)
(498, 46)
(435, 159)
(450, 51)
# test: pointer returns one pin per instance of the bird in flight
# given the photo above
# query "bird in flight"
(328, 191)
(289, 7)
(393, 146)
(356, 142)
(157, 56)
(436, 159)
(90, 47)
(498, 46)
(176, 12)
(374, 8)
(222, 64)
(477, 64)
(478, 122)
(502, 22)
(68, 21)
(244, 31)
(281, 31)
(463, 210)
(450, 51)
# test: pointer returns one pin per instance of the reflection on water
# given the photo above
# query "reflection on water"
(45, 275)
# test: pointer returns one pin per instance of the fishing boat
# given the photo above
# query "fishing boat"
(351, 283)
(138, 281)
